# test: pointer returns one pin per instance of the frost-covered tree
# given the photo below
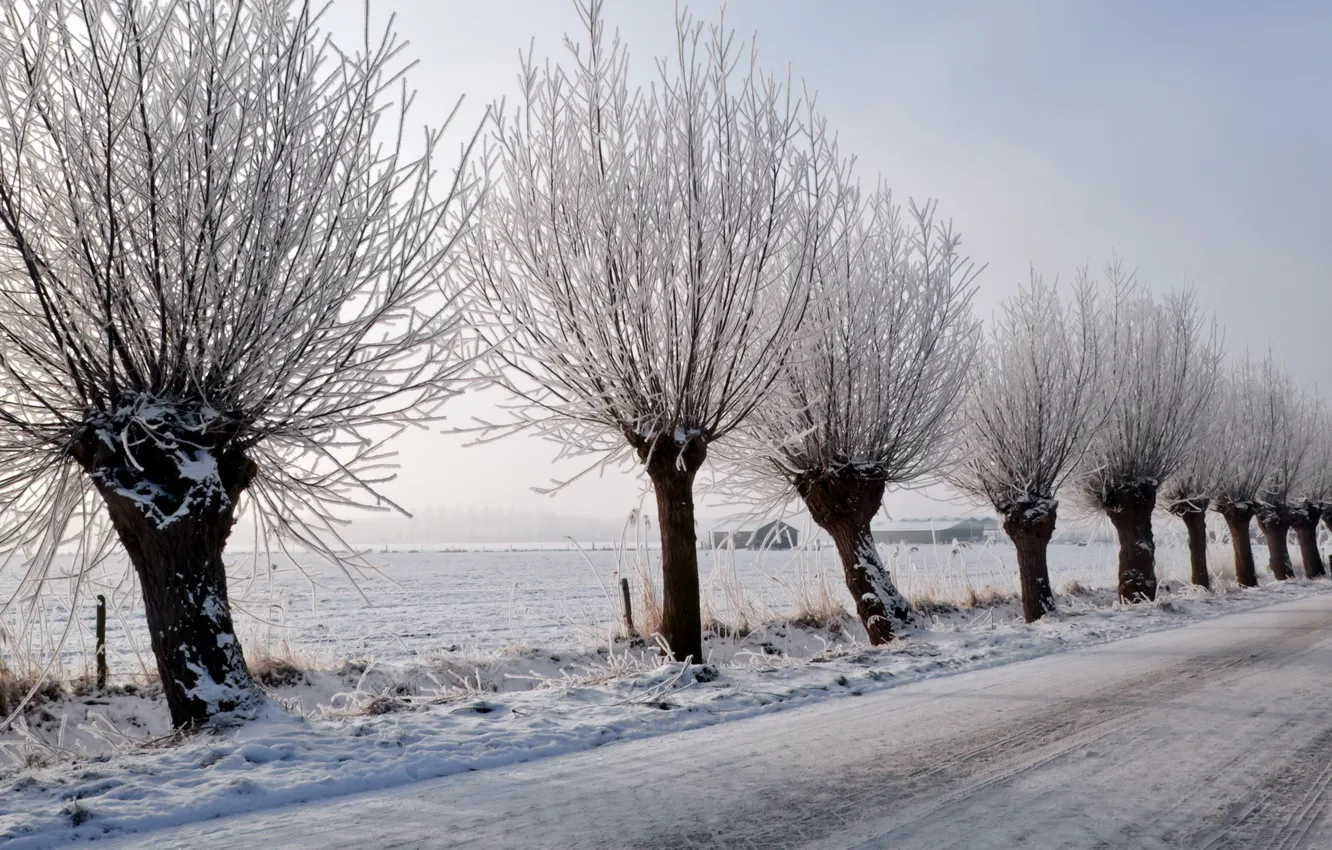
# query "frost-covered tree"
(870, 397)
(642, 259)
(1163, 361)
(1318, 482)
(1188, 493)
(221, 272)
(1035, 401)
(1242, 427)
(1288, 416)
(1314, 490)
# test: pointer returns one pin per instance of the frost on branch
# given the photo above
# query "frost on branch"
(1290, 425)
(1164, 357)
(869, 394)
(642, 263)
(1244, 428)
(1313, 489)
(1190, 490)
(224, 272)
(1034, 402)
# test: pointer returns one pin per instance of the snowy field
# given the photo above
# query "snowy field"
(409, 604)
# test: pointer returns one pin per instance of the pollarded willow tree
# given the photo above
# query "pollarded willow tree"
(870, 397)
(1242, 468)
(221, 272)
(1035, 400)
(1314, 491)
(643, 262)
(1188, 493)
(1288, 417)
(1164, 361)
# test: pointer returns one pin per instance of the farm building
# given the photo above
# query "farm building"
(927, 531)
(772, 535)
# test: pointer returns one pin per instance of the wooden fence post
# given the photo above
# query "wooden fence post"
(628, 607)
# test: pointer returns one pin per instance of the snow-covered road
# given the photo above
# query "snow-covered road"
(1215, 735)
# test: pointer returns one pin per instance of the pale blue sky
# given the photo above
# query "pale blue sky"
(1193, 138)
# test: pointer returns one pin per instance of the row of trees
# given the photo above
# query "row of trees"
(1125, 402)
(693, 271)
(227, 273)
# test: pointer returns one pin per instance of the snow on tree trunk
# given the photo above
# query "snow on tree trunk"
(172, 502)
(1238, 519)
(1274, 521)
(1130, 512)
(1326, 514)
(844, 506)
(672, 468)
(1194, 516)
(1030, 526)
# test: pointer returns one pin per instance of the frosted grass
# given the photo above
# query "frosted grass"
(418, 602)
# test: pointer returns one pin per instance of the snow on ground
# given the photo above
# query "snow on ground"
(418, 602)
(106, 765)
(1213, 735)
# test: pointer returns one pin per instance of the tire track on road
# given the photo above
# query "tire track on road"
(939, 776)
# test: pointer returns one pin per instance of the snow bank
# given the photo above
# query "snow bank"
(107, 765)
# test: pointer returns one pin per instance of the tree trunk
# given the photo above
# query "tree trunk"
(671, 468)
(844, 506)
(1326, 513)
(1030, 526)
(173, 504)
(1274, 521)
(1194, 515)
(1237, 519)
(1131, 514)
(1305, 522)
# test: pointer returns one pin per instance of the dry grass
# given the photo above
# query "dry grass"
(274, 663)
(15, 688)
(818, 601)
(467, 673)
(1222, 573)
(277, 673)
(740, 611)
(1073, 587)
(812, 582)
(647, 608)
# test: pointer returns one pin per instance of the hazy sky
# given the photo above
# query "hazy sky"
(1193, 138)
